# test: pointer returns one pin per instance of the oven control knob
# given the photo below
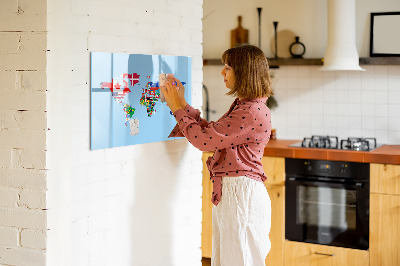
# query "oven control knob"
(343, 168)
(308, 166)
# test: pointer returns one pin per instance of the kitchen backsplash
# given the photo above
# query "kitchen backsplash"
(314, 102)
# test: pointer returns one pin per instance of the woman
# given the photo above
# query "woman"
(242, 208)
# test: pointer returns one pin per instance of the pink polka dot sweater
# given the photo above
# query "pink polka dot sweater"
(238, 139)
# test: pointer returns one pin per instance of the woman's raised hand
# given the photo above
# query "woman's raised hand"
(174, 93)
(181, 90)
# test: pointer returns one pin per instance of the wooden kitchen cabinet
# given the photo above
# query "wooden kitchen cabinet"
(384, 236)
(277, 233)
(274, 168)
(385, 215)
(385, 178)
(305, 254)
(206, 225)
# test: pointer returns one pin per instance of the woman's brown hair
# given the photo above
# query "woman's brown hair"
(250, 66)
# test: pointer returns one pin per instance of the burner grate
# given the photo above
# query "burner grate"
(358, 144)
(332, 142)
(327, 142)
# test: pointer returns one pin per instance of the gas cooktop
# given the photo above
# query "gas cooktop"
(332, 142)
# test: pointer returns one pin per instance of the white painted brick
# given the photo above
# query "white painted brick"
(124, 161)
(5, 158)
(99, 42)
(79, 175)
(97, 172)
(196, 10)
(23, 119)
(80, 63)
(33, 44)
(35, 159)
(114, 186)
(80, 228)
(197, 63)
(15, 158)
(20, 217)
(9, 42)
(176, 7)
(128, 168)
(31, 80)
(36, 7)
(33, 239)
(8, 6)
(17, 256)
(7, 81)
(33, 199)
(194, 49)
(80, 158)
(197, 76)
(22, 22)
(98, 222)
(190, 22)
(23, 178)
(8, 237)
(196, 166)
(8, 197)
(197, 101)
(23, 61)
(23, 100)
(80, 79)
(136, 46)
(23, 139)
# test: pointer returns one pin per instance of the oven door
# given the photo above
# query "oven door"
(327, 213)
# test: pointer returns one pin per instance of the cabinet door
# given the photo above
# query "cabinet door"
(304, 254)
(274, 168)
(384, 230)
(277, 233)
(206, 232)
(385, 178)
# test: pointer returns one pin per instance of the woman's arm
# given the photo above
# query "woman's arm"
(239, 127)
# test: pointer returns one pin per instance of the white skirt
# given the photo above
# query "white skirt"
(241, 223)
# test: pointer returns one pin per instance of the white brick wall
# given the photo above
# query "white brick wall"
(23, 126)
(113, 206)
(107, 207)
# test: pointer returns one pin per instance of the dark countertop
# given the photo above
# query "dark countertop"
(389, 154)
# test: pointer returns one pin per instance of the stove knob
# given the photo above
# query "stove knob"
(343, 168)
(308, 166)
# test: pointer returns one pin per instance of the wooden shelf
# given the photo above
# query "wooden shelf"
(380, 61)
(274, 63)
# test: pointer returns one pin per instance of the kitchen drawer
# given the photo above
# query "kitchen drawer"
(305, 254)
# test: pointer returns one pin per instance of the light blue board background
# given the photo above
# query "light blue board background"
(108, 118)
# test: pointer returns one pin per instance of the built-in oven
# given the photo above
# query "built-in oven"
(327, 202)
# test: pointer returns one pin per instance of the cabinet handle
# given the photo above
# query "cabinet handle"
(324, 254)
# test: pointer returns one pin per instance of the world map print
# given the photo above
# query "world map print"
(126, 103)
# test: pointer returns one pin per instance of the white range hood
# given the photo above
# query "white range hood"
(341, 51)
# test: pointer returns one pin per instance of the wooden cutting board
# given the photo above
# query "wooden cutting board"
(239, 35)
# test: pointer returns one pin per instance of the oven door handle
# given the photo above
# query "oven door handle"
(357, 185)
